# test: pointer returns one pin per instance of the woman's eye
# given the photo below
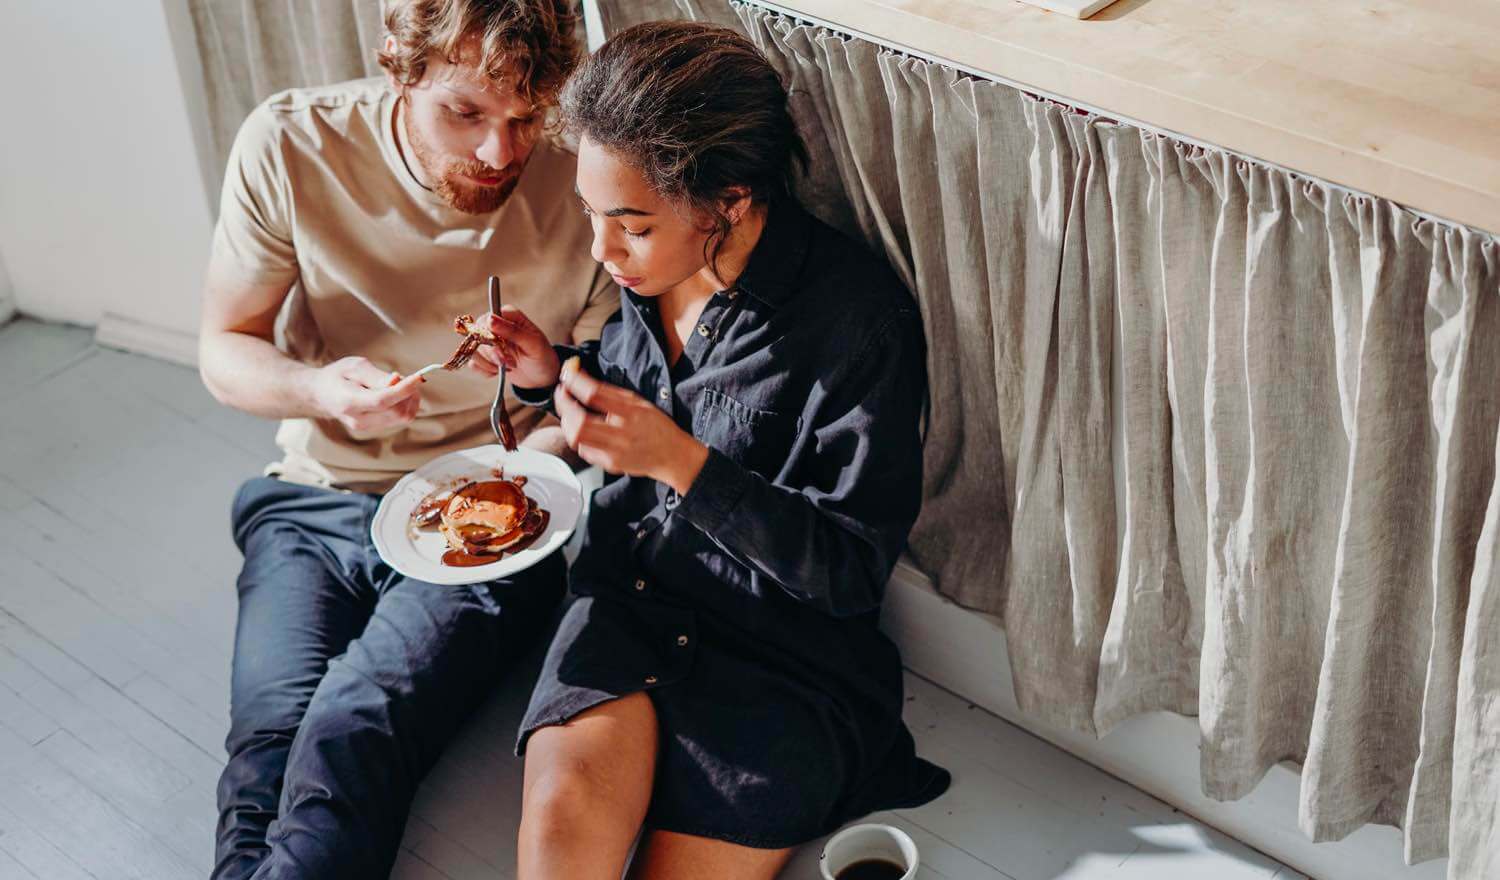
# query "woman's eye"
(633, 234)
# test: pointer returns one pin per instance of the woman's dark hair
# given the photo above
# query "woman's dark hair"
(696, 108)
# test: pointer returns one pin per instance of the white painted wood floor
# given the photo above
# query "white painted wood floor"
(116, 618)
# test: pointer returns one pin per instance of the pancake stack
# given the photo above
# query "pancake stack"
(483, 521)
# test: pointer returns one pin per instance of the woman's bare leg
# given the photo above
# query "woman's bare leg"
(587, 785)
(667, 855)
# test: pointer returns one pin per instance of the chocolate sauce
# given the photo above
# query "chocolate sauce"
(430, 510)
(460, 559)
(535, 525)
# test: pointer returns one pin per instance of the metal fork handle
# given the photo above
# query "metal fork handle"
(499, 418)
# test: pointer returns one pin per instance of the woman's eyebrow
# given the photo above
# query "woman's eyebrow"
(613, 212)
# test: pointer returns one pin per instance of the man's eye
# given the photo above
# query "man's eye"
(465, 115)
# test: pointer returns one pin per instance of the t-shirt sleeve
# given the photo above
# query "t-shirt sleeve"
(603, 301)
(253, 238)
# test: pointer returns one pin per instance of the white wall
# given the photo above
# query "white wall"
(102, 204)
(7, 297)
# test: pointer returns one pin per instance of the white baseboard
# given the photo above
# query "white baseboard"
(128, 334)
(965, 653)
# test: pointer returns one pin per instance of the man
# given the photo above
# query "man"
(356, 221)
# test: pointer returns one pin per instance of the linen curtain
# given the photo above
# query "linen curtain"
(1209, 436)
(252, 49)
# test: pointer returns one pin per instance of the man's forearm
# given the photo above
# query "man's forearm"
(251, 374)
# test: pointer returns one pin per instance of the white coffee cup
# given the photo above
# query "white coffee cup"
(871, 841)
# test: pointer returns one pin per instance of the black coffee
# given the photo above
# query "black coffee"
(872, 869)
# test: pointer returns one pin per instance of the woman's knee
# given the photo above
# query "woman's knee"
(559, 805)
(593, 773)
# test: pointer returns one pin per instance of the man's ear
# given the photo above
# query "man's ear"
(390, 46)
(735, 202)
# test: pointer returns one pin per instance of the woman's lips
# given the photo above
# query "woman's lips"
(624, 281)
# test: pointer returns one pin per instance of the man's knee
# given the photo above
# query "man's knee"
(268, 716)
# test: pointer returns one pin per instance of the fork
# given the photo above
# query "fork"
(499, 418)
(465, 352)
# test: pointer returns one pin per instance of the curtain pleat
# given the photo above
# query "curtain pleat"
(251, 49)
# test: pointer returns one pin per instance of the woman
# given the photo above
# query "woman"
(721, 681)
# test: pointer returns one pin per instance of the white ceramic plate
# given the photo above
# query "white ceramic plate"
(418, 554)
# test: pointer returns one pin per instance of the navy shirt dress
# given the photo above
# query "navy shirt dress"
(748, 608)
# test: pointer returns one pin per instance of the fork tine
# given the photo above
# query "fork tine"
(463, 353)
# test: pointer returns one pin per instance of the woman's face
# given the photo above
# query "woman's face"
(647, 243)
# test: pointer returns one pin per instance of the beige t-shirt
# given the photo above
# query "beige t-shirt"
(317, 195)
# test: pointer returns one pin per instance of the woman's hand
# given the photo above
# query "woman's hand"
(624, 433)
(525, 350)
(363, 398)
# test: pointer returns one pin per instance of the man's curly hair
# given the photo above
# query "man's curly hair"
(530, 44)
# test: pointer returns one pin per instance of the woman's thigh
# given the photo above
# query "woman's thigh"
(667, 855)
(586, 789)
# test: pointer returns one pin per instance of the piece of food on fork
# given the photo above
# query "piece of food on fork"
(474, 335)
(467, 325)
(478, 333)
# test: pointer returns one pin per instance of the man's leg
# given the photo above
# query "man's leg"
(385, 710)
(297, 608)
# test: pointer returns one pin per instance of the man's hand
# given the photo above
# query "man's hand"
(528, 356)
(624, 433)
(363, 398)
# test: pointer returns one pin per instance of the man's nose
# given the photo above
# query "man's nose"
(497, 149)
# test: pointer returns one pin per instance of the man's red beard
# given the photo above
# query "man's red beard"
(449, 176)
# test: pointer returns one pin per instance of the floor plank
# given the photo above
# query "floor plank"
(117, 618)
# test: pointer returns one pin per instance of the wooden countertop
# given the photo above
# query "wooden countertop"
(1398, 98)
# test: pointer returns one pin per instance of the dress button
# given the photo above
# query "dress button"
(671, 499)
(682, 641)
(704, 330)
(640, 585)
(650, 679)
(732, 294)
(665, 393)
(639, 534)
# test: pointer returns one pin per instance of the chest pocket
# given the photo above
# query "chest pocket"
(756, 438)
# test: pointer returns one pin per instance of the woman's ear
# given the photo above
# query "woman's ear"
(736, 201)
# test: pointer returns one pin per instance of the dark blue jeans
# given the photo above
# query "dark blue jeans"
(348, 681)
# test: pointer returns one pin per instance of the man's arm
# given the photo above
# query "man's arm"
(242, 367)
(237, 358)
